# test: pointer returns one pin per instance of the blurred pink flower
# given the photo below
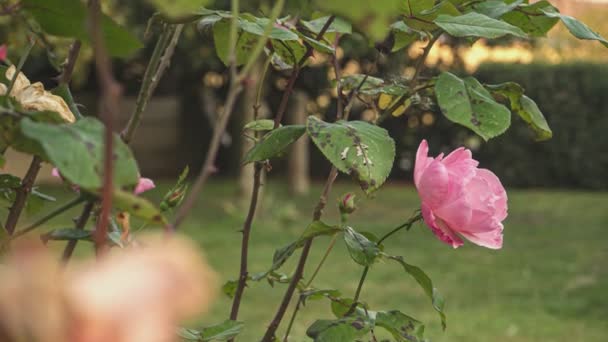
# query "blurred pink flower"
(136, 294)
(3, 51)
(143, 185)
(460, 199)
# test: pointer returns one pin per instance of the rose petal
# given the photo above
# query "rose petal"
(422, 160)
(491, 239)
(500, 202)
(439, 228)
(433, 184)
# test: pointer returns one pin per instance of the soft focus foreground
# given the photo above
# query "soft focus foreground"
(137, 294)
(546, 283)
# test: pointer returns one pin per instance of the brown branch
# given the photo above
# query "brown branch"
(80, 223)
(257, 174)
(161, 58)
(68, 69)
(317, 213)
(22, 193)
(109, 109)
(208, 168)
(296, 72)
(244, 272)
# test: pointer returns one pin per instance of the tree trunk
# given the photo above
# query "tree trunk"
(299, 160)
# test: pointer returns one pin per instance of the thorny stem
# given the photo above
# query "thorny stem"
(80, 223)
(308, 283)
(47, 217)
(257, 183)
(109, 109)
(318, 212)
(358, 291)
(160, 60)
(244, 272)
(68, 69)
(22, 193)
(343, 111)
(258, 167)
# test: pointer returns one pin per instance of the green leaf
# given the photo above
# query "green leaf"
(363, 251)
(318, 45)
(530, 113)
(475, 24)
(176, 194)
(427, 285)
(281, 255)
(260, 125)
(342, 330)
(274, 143)
(495, 8)
(178, 8)
(137, 206)
(339, 25)
(525, 107)
(404, 35)
(222, 332)
(423, 21)
(418, 7)
(341, 306)
(466, 102)
(68, 18)
(400, 325)
(576, 28)
(316, 294)
(319, 228)
(284, 42)
(371, 85)
(360, 149)
(229, 288)
(77, 151)
(67, 234)
(531, 19)
(372, 20)
(219, 332)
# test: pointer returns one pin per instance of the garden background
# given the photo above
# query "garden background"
(546, 284)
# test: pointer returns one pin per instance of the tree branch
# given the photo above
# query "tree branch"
(47, 217)
(109, 109)
(258, 174)
(317, 213)
(244, 272)
(161, 58)
(80, 223)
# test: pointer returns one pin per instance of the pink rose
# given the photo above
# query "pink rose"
(3, 52)
(460, 199)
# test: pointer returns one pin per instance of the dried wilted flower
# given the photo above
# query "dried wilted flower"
(33, 97)
(137, 294)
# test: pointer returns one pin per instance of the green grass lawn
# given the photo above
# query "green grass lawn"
(548, 283)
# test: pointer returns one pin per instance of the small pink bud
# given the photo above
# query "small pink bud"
(143, 185)
(347, 204)
(3, 52)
